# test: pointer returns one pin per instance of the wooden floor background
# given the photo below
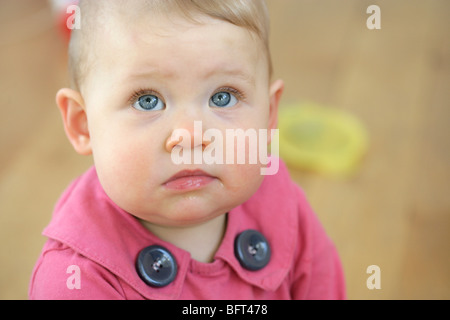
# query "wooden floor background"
(394, 213)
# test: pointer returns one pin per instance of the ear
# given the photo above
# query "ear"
(275, 91)
(73, 111)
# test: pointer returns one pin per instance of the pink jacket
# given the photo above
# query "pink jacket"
(93, 245)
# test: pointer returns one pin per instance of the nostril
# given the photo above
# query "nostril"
(173, 141)
(180, 137)
(186, 139)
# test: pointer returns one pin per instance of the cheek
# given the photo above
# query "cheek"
(242, 181)
(123, 165)
(118, 170)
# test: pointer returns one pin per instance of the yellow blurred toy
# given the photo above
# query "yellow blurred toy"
(321, 139)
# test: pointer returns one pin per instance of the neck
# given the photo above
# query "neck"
(201, 241)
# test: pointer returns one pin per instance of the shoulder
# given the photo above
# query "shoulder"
(62, 274)
(315, 271)
(279, 195)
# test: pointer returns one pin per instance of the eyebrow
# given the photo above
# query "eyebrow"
(240, 73)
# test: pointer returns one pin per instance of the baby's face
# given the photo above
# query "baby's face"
(152, 79)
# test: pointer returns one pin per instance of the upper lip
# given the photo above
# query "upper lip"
(188, 173)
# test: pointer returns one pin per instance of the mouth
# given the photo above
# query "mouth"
(188, 180)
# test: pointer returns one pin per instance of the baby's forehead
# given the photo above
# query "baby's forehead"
(205, 49)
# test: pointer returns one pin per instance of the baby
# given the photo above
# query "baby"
(139, 225)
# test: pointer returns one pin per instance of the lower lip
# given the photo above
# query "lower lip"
(189, 183)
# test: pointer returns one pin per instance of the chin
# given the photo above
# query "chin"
(178, 214)
(192, 213)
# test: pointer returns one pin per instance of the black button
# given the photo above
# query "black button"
(156, 266)
(252, 250)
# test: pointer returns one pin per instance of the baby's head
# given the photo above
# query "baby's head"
(145, 70)
(97, 17)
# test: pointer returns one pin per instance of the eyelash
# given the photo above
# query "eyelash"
(238, 94)
(142, 92)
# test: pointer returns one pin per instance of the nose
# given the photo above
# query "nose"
(187, 136)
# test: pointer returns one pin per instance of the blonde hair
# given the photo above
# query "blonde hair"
(250, 14)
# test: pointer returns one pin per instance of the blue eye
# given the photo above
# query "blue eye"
(148, 102)
(223, 100)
